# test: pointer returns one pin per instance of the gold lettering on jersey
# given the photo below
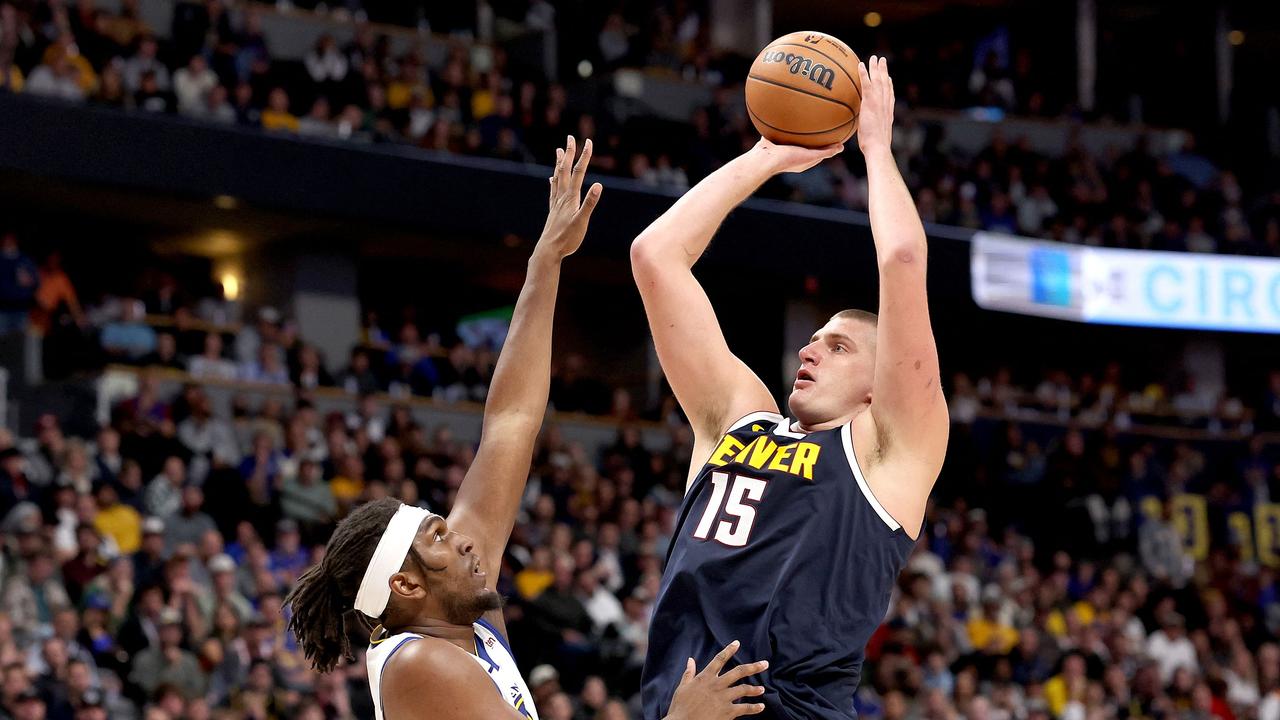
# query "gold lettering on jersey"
(728, 446)
(763, 453)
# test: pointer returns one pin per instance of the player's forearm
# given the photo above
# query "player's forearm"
(895, 222)
(521, 381)
(680, 236)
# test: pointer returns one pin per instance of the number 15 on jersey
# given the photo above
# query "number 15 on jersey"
(733, 504)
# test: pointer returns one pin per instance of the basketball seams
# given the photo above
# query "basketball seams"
(837, 63)
(798, 132)
(802, 91)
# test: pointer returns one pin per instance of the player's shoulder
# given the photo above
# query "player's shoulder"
(436, 669)
(426, 661)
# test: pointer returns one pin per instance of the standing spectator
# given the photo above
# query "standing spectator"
(1161, 549)
(54, 296)
(19, 280)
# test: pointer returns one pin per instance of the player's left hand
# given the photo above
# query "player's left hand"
(875, 119)
(570, 212)
(710, 695)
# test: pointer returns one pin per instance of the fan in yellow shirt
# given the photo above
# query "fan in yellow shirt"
(987, 633)
(118, 521)
(1066, 686)
(277, 115)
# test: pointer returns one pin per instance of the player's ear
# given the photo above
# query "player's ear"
(407, 584)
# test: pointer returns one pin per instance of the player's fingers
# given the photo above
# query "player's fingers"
(864, 77)
(750, 709)
(747, 670)
(580, 168)
(690, 669)
(570, 152)
(717, 663)
(741, 691)
(589, 203)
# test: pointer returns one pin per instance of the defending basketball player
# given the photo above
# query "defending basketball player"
(794, 529)
(439, 649)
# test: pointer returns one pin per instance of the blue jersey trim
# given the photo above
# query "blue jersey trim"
(387, 659)
(496, 633)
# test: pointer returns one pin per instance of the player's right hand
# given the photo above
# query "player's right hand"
(708, 695)
(792, 158)
(569, 211)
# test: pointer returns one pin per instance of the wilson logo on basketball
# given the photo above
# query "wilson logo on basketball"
(803, 66)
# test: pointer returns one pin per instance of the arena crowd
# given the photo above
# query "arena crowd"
(215, 64)
(1081, 560)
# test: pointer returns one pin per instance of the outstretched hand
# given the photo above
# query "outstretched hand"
(875, 119)
(793, 158)
(708, 695)
(569, 211)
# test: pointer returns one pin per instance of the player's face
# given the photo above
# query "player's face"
(836, 371)
(455, 577)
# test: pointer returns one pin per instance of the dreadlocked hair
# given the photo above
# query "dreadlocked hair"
(325, 594)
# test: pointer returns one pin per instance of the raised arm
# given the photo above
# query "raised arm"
(907, 404)
(490, 494)
(713, 386)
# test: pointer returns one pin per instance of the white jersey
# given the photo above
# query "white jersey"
(492, 652)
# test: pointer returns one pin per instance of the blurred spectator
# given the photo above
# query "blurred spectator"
(210, 364)
(145, 60)
(276, 116)
(128, 338)
(19, 281)
(192, 85)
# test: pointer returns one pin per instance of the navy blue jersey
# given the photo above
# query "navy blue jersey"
(781, 545)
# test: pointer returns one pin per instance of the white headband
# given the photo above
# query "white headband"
(375, 587)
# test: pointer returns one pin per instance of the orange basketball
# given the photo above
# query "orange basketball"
(803, 89)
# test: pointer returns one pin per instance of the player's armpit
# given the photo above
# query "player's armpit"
(713, 386)
(457, 688)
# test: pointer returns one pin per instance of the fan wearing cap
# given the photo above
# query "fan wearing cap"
(439, 648)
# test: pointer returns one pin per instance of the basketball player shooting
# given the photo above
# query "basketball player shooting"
(794, 529)
(439, 649)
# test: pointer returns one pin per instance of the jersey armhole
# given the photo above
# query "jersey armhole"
(846, 439)
(743, 421)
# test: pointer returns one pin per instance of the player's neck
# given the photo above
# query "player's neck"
(836, 422)
(461, 635)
